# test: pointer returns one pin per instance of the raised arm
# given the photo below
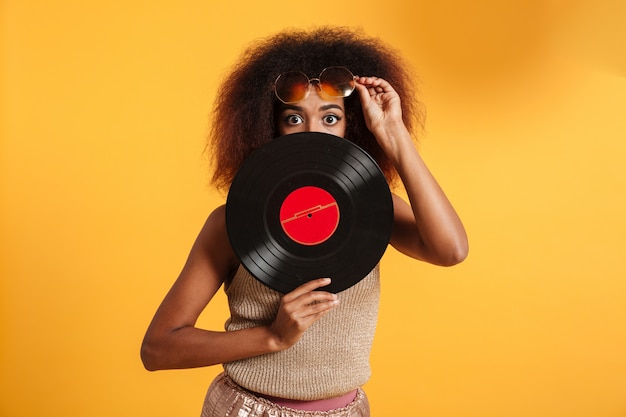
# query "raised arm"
(429, 228)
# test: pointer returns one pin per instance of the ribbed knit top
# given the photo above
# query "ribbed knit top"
(330, 359)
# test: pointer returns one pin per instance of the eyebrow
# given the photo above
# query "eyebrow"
(331, 106)
(322, 108)
(291, 107)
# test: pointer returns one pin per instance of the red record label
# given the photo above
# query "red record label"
(309, 215)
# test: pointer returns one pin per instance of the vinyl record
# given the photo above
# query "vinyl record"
(306, 206)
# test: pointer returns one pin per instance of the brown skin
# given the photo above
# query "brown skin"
(428, 229)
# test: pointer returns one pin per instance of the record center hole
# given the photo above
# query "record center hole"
(309, 215)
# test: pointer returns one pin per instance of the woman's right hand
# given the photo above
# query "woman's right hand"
(299, 309)
(173, 341)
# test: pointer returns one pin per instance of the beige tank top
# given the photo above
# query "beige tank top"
(331, 358)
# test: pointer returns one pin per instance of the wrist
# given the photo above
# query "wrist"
(273, 342)
(395, 140)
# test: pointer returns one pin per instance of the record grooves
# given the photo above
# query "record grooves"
(306, 206)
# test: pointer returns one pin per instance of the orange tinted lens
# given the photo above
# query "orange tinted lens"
(337, 82)
(291, 87)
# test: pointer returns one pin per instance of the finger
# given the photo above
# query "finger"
(309, 307)
(314, 298)
(307, 287)
(321, 307)
(365, 94)
(313, 312)
(309, 319)
(369, 81)
(375, 84)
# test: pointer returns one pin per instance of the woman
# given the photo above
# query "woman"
(281, 353)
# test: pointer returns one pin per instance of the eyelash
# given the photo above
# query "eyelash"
(337, 118)
(289, 118)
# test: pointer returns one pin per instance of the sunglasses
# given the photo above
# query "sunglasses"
(293, 86)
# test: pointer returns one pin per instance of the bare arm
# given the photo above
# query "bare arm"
(429, 228)
(173, 341)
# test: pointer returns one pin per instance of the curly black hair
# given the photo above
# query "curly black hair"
(243, 116)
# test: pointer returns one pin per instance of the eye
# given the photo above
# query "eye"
(293, 119)
(331, 119)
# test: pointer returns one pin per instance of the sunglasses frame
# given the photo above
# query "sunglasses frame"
(319, 83)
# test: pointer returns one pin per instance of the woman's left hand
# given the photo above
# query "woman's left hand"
(380, 102)
(381, 109)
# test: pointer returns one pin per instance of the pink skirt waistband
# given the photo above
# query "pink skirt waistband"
(225, 397)
(326, 404)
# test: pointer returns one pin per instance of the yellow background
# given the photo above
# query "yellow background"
(105, 107)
